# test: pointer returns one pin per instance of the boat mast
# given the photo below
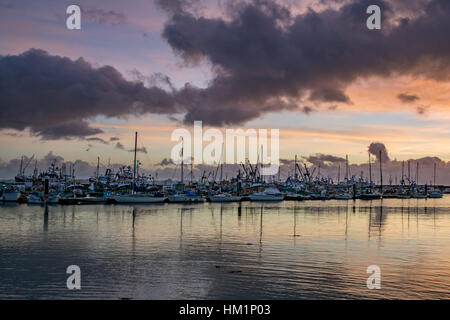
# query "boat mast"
(346, 167)
(35, 170)
(434, 176)
(295, 168)
(261, 178)
(339, 174)
(221, 164)
(417, 173)
(98, 167)
(370, 171)
(182, 160)
(381, 175)
(409, 172)
(21, 165)
(403, 173)
(134, 167)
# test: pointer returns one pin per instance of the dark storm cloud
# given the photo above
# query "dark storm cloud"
(286, 162)
(119, 146)
(96, 139)
(263, 53)
(375, 148)
(323, 160)
(112, 139)
(407, 98)
(65, 130)
(165, 162)
(307, 109)
(422, 109)
(155, 80)
(141, 150)
(264, 58)
(55, 97)
(329, 95)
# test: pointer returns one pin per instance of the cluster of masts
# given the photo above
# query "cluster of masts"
(56, 185)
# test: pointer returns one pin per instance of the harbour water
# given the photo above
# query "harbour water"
(249, 250)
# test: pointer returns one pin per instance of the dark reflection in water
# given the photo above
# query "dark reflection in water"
(287, 250)
(46, 219)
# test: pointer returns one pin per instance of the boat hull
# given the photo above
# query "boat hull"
(342, 197)
(266, 198)
(139, 199)
(182, 198)
(10, 196)
(224, 199)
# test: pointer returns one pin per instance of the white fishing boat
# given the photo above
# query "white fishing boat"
(224, 197)
(269, 194)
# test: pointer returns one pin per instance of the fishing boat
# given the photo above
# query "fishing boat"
(139, 198)
(38, 198)
(269, 194)
(224, 197)
(418, 195)
(178, 197)
(10, 195)
(187, 196)
(343, 196)
(322, 195)
(435, 194)
(370, 196)
(293, 196)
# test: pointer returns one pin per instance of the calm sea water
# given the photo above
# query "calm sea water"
(286, 250)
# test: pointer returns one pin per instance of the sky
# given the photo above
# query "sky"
(309, 68)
